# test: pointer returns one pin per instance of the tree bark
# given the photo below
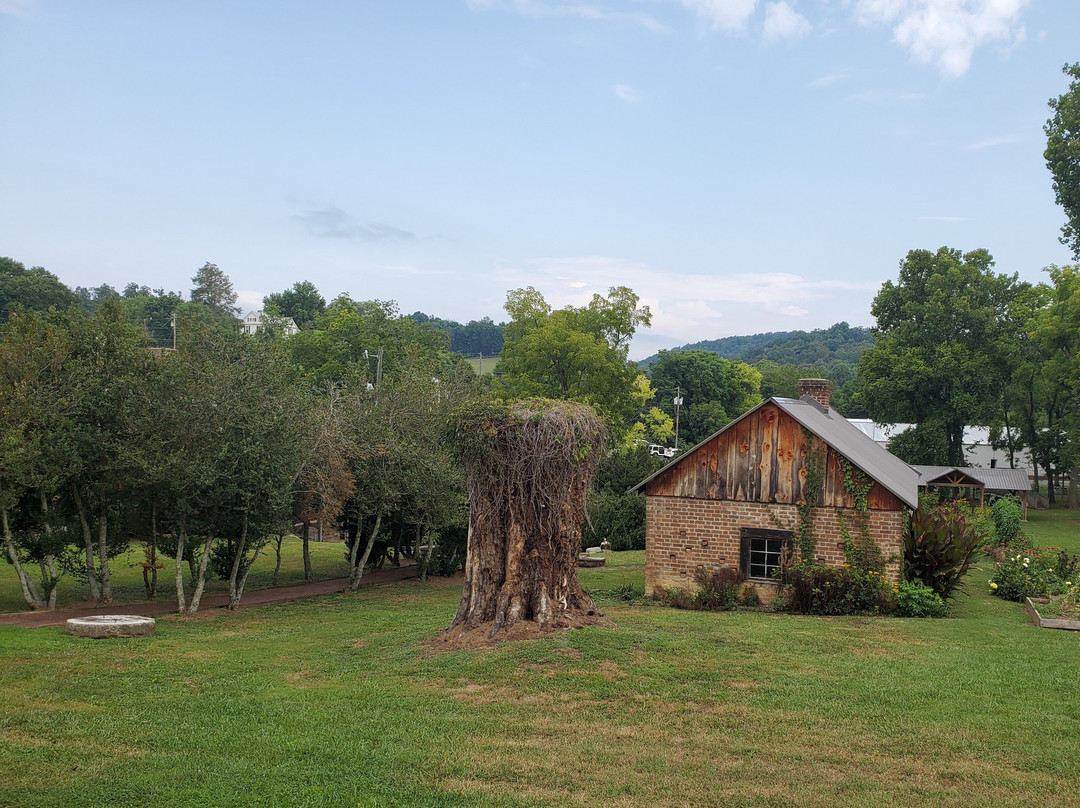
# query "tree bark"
(30, 591)
(241, 545)
(200, 578)
(307, 552)
(277, 560)
(88, 543)
(103, 557)
(181, 545)
(357, 571)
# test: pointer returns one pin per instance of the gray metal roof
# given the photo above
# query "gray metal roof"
(993, 479)
(883, 467)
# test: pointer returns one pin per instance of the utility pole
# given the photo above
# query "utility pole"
(172, 321)
(678, 403)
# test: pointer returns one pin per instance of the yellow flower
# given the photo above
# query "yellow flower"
(993, 585)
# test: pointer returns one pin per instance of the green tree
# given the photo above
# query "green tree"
(302, 303)
(573, 353)
(1063, 156)
(941, 354)
(34, 289)
(714, 390)
(213, 287)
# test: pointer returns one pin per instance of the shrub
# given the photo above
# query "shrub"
(916, 599)
(939, 544)
(1034, 573)
(813, 589)
(1008, 520)
(717, 589)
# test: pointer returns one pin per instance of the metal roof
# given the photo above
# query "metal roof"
(993, 479)
(884, 468)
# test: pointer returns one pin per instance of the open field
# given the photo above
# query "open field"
(489, 363)
(337, 701)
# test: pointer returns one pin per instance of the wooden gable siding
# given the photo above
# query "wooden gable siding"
(761, 458)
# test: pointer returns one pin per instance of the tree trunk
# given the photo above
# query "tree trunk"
(103, 557)
(31, 594)
(49, 578)
(357, 571)
(241, 545)
(277, 560)
(235, 604)
(200, 576)
(181, 545)
(1071, 502)
(307, 552)
(88, 543)
(527, 484)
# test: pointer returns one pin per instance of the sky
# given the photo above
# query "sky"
(742, 165)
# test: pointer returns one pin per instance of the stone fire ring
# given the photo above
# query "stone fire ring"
(101, 626)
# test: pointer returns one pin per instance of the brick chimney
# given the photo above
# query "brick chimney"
(817, 389)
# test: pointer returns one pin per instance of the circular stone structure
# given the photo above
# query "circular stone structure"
(100, 626)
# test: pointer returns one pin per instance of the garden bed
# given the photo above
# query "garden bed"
(1031, 606)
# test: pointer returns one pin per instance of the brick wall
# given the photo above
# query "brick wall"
(683, 534)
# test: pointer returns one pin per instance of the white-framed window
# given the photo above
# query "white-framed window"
(763, 552)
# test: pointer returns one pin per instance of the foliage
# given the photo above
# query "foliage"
(815, 476)
(714, 390)
(717, 589)
(34, 289)
(939, 546)
(477, 337)
(618, 519)
(810, 588)
(577, 354)
(213, 287)
(941, 354)
(1063, 156)
(1008, 520)
(302, 302)
(1034, 572)
(916, 599)
(925, 444)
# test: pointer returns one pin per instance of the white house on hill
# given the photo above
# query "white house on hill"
(253, 320)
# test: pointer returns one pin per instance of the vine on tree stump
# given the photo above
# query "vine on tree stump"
(529, 465)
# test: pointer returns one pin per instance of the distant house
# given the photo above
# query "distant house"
(732, 500)
(978, 450)
(253, 321)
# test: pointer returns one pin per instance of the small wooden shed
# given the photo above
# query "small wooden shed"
(732, 500)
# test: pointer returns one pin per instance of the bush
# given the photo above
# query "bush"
(916, 599)
(1034, 573)
(813, 589)
(1008, 520)
(939, 544)
(717, 589)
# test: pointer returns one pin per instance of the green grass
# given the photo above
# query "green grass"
(489, 364)
(337, 701)
(327, 561)
(1059, 527)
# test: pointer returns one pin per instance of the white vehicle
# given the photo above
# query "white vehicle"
(661, 451)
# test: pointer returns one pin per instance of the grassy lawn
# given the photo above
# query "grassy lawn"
(327, 561)
(489, 364)
(337, 701)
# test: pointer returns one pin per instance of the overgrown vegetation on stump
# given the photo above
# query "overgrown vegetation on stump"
(529, 465)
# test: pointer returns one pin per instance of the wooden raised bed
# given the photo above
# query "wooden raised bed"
(1031, 606)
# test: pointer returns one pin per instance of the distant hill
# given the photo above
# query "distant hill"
(820, 347)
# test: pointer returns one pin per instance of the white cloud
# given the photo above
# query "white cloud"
(832, 78)
(248, 300)
(625, 92)
(1004, 140)
(557, 8)
(784, 22)
(725, 15)
(16, 7)
(688, 308)
(946, 32)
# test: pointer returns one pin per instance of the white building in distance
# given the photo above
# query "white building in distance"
(253, 321)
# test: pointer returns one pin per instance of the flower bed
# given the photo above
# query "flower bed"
(1045, 618)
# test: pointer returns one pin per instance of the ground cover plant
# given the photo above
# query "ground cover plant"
(340, 701)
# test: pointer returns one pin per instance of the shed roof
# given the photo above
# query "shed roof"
(830, 426)
(992, 479)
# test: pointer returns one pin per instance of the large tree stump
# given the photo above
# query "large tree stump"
(529, 465)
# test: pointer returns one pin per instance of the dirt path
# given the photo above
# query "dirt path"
(254, 597)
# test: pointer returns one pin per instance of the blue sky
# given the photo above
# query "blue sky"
(744, 165)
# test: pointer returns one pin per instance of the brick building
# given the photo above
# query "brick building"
(732, 500)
